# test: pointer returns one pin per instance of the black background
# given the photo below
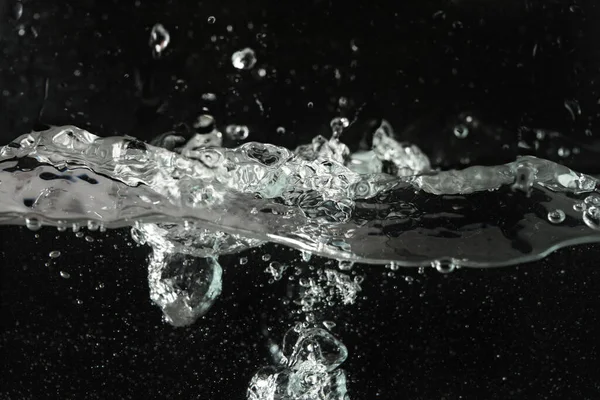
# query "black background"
(527, 332)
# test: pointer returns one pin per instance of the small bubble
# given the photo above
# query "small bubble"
(443, 267)
(209, 96)
(343, 101)
(262, 72)
(564, 152)
(99, 286)
(159, 40)
(33, 223)
(18, 10)
(556, 216)
(310, 104)
(237, 132)
(329, 324)
(54, 254)
(345, 265)
(65, 274)
(79, 234)
(338, 125)
(593, 200)
(243, 260)
(409, 279)
(211, 20)
(93, 225)
(244, 59)
(280, 130)
(461, 131)
(591, 217)
(266, 257)
(579, 207)
(89, 239)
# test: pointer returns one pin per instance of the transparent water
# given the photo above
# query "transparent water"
(194, 200)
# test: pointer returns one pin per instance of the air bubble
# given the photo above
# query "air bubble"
(18, 10)
(593, 200)
(54, 254)
(280, 130)
(65, 274)
(237, 132)
(93, 225)
(337, 126)
(345, 265)
(591, 217)
(579, 207)
(266, 257)
(556, 216)
(461, 131)
(159, 40)
(244, 59)
(564, 152)
(444, 267)
(243, 260)
(33, 223)
(211, 20)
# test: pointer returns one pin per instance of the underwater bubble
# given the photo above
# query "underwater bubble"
(280, 130)
(443, 266)
(33, 223)
(211, 20)
(54, 254)
(243, 260)
(556, 216)
(591, 217)
(593, 200)
(461, 131)
(237, 132)
(345, 265)
(18, 10)
(65, 274)
(579, 207)
(564, 152)
(159, 40)
(244, 59)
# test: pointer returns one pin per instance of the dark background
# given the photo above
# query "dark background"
(527, 332)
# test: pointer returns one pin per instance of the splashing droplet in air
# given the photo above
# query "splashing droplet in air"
(556, 216)
(237, 132)
(159, 40)
(244, 59)
(54, 254)
(461, 131)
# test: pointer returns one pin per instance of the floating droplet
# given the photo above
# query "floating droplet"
(33, 223)
(159, 40)
(591, 217)
(65, 274)
(54, 254)
(244, 59)
(237, 132)
(556, 216)
(461, 131)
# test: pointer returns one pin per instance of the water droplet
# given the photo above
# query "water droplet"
(556, 216)
(591, 217)
(33, 223)
(65, 274)
(345, 265)
(564, 152)
(159, 40)
(54, 254)
(211, 20)
(237, 132)
(244, 59)
(461, 131)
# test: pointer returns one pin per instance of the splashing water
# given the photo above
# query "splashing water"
(194, 200)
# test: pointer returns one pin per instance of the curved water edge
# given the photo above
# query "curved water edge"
(320, 198)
